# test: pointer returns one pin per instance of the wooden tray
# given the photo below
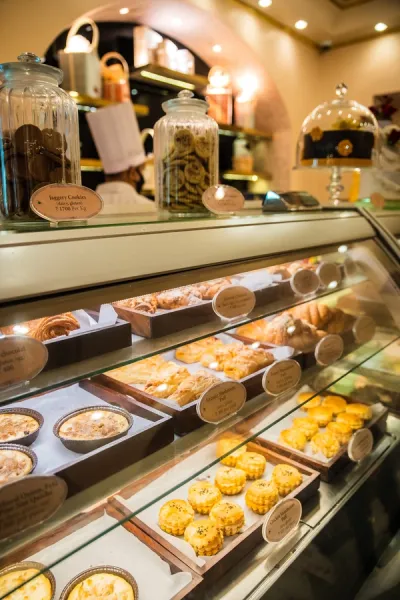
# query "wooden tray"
(337, 463)
(84, 519)
(242, 543)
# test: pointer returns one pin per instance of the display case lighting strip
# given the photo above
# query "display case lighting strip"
(232, 176)
(168, 80)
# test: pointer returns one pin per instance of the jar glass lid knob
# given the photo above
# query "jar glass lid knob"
(185, 94)
(29, 57)
(341, 90)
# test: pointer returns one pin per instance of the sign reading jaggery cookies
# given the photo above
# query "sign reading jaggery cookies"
(21, 359)
(221, 401)
(329, 350)
(222, 199)
(66, 202)
(281, 376)
(360, 445)
(234, 301)
(329, 274)
(304, 282)
(364, 329)
(29, 501)
(282, 520)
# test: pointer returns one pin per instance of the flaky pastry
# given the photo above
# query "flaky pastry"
(350, 419)
(321, 414)
(193, 387)
(175, 516)
(205, 537)
(261, 496)
(226, 444)
(337, 404)
(202, 496)
(228, 517)
(191, 353)
(252, 463)
(307, 425)
(325, 442)
(306, 400)
(286, 478)
(296, 438)
(341, 431)
(230, 480)
(360, 410)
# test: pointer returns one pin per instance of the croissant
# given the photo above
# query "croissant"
(178, 298)
(285, 330)
(52, 327)
(191, 388)
(147, 303)
(208, 289)
(331, 320)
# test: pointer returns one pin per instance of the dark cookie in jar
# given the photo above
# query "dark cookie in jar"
(174, 180)
(16, 167)
(54, 142)
(27, 139)
(59, 159)
(202, 146)
(39, 167)
(60, 175)
(194, 172)
(183, 142)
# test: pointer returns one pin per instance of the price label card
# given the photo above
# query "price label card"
(29, 501)
(360, 445)
(222, 199)
(329, 350)
(304, 282)
(221, 401)
(364, 329)
(66, 202)
(281, 377)
(234, 301)
(282, 520)
(329, 275)
(21, 359)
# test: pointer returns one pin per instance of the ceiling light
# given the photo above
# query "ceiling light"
(264, 3)
(380, 27)
(301, 24)
(123, 11)
(217, 48)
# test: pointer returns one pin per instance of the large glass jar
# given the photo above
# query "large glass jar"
(186, 154)
(39, 135)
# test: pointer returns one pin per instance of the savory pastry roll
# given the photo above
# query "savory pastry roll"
(138, 372)
(325, 442)
(252, 463)
(286, 478)
(39, 588)
(179, 298)
(306, 400)
(226, 444)
(341, 431)
(336, 404)
(350, 419)
(208, 289)
(14, 426)
(360, 410)
(193, 352)
(175, 516)
(193, 387)
(307, 425)
(296, 438)
(146, 303)
(216, 358)
(228, 517)
(205, 537)
(230, 481)
(203, 495)
(53, 327)
(13, 465)
(246, 362)
(166, 380)
(321, 414)
(261, 496)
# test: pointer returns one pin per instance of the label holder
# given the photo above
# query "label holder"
(233, 302)
(360, 445)
(221, 401)
(281, 376)
(283, 519)
(223, 199)
(59, 202)
(304, 282)
(22, 358)
(329, 350)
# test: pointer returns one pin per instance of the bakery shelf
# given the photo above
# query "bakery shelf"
(91, 164)
(244, 176)
(88, 103)
(252, 134)
(168, 78)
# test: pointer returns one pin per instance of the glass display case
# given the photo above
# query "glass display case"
(189, 407)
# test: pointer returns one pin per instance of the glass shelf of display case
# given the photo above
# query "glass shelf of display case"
(87, 103)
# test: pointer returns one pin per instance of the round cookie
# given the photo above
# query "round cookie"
(286, 478)
(296, 438)
(205, 537)
(261, 496)
(307, 425)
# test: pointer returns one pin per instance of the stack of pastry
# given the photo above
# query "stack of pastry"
(321, 316)
(44, 329)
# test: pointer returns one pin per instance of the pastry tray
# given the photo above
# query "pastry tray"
(328, 467)
(158, 573)
(235, 547)
(151, 430)
(186, 418)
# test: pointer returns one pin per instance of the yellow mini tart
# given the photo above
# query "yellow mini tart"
(296, 438)
(38, 589)
(286, 478)
(230, 480)
(312, 402)
(13, 465)
(175, 516)
(350, 419)
(205, 537)
(14, 426)
(203, 495)
(307, 425)
(224, 445)
(325, 442)
(253, 464)
(93, 425)
(341, 431)
(105, 586)
(360, 410)
(337, 404)
(261, 496)
(228, 517)
(321, 414)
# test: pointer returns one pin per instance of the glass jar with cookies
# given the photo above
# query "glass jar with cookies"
(186, 150)
(39, 137)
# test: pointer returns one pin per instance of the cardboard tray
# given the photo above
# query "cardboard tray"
(330, 468)
(240, 544)
(79, 522)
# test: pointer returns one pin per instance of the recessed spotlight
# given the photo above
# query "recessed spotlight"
(264, 3)
(177, 21)
(123, 11)
(217, 48)
(380, 27)
(301, 24)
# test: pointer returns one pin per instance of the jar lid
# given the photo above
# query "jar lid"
(29, 65)
(185, 101)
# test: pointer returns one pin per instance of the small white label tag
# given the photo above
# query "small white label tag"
(281, 377)
(350, 267)
(234, 301)
(222, 199)
(282, 520)
(360, 445)
(221, 401)
(329, 350)
(304, 282)
(329, 275)
(21, 359)
(364, 329)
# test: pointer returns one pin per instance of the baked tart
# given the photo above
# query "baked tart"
(341, 431)
(203, 495)
(42, 587)
(321, 414)
(293, 437)
(261, 496)
(14, 426)
(336, 404)
(15, 462)
(226, 444)
(253, 464)
(228, 517)
(306, 400)
(175, 516)
(360, 410)
(103, 583)
(93, 424)
(325, 442)
(350, 419)
(307, 425)
(230, 481)
(205, 537)
(286, 478)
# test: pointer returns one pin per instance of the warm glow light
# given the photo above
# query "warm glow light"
(74, 94)
(78, 43)
(255, 345)
(162, 387)
(123, 11)
(264, 3)
(217, 48)
(177, 22)
(175, 82)
(220, 193)
(20, 329)
(213, 365)
(240, 177)
(380, 27)
(291, 329)
(333, 285)
(342, 249)
(301, 24)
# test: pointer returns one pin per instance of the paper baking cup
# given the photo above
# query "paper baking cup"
(25, 450)
(25, 440)
(29, 564)
(101, 569)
